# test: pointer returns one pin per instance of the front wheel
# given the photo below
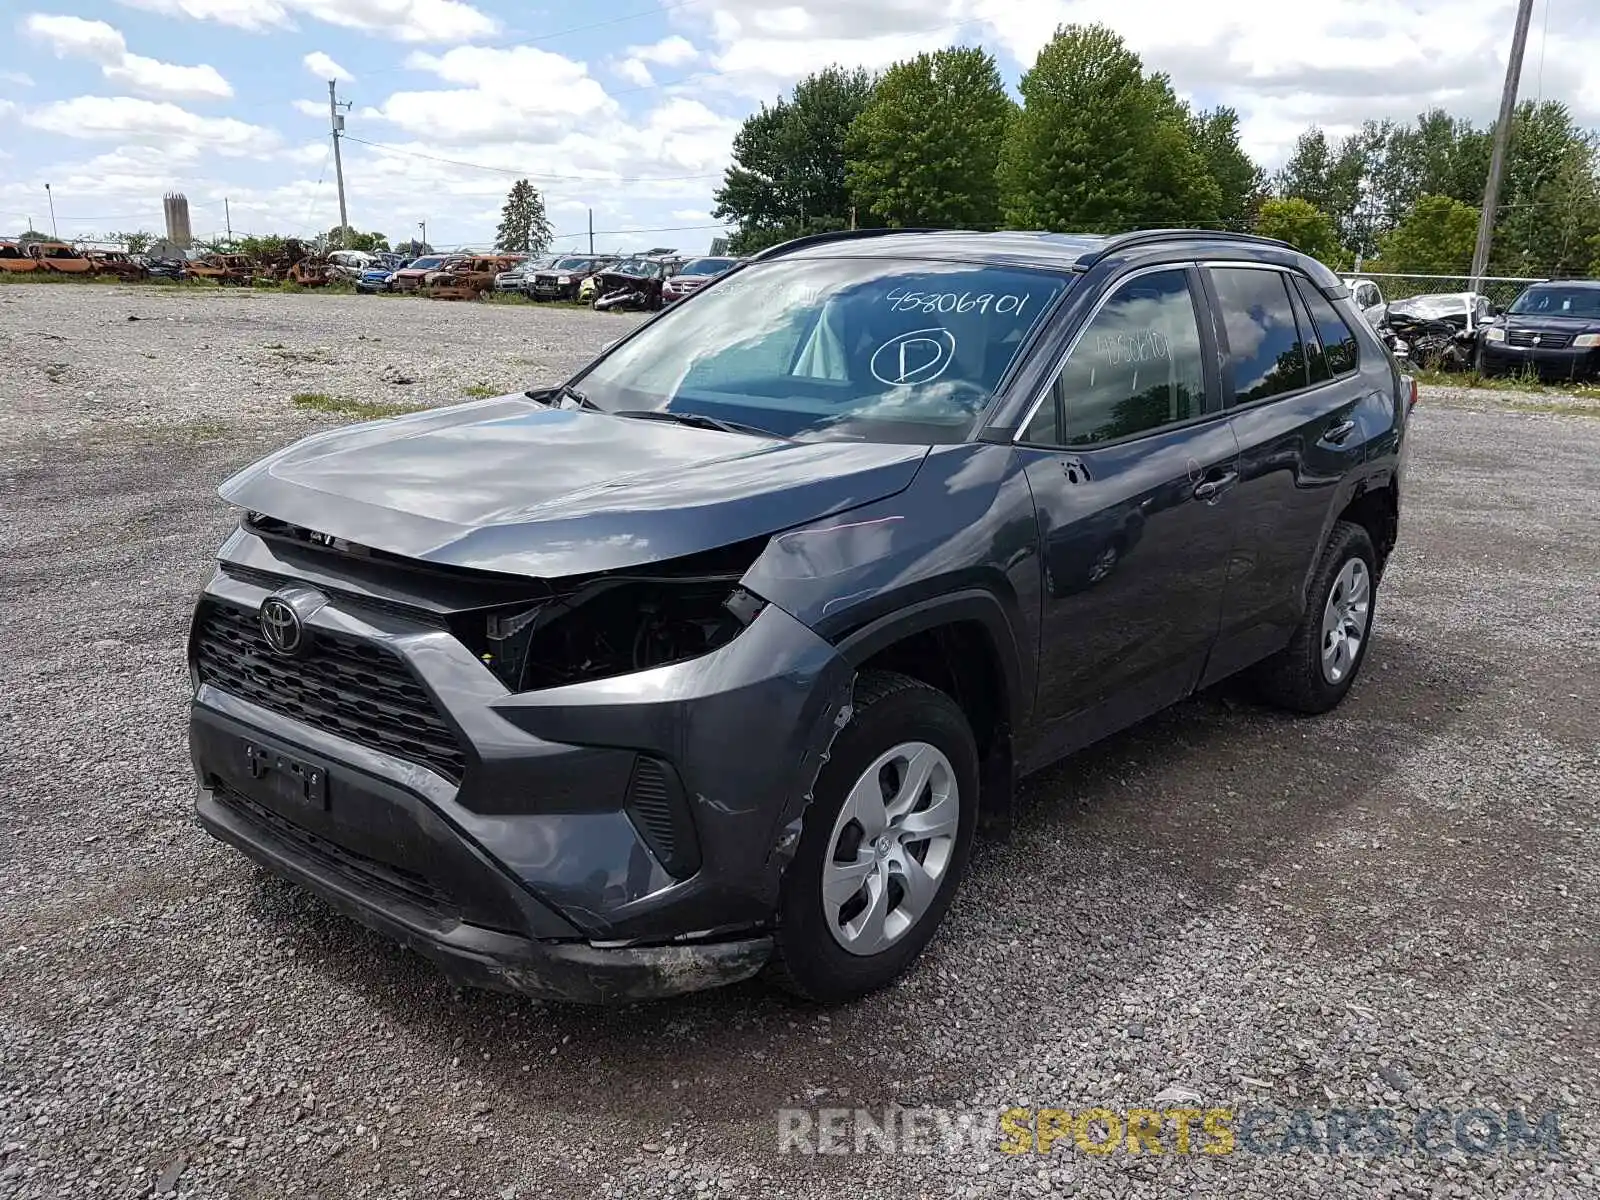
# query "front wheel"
(883, 845)
(1315, 670)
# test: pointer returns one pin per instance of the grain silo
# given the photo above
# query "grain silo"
(176, 206)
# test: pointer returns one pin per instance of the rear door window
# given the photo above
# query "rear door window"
(1264, 346)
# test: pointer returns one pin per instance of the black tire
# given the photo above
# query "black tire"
(890, 708)
(1293, 678)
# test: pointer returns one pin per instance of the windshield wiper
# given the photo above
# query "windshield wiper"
(699, 421)
(553, 397)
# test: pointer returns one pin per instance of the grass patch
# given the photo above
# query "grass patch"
(482, 391)
(1529, 381)
(340, 406)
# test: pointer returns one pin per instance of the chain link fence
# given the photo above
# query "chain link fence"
(1501, 289)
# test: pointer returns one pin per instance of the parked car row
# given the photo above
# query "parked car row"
(646, 281)
(1552, 329)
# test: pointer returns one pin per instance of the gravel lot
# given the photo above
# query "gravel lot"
(1393, 906)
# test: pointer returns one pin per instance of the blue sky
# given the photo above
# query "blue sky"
(625, 106)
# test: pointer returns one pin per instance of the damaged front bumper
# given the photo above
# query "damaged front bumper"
(475, 955)
(501, 834)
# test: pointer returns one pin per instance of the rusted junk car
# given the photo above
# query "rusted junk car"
(16, 259)
(42, 256)
(466, 277)
(115, 262)
(224, 268)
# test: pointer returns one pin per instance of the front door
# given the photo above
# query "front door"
(1132, 462)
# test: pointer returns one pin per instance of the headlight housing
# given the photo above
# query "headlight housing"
(563, 278)
(1494, 334)
(1587, 341)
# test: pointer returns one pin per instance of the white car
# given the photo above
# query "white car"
(349, 264)
(1364, 294)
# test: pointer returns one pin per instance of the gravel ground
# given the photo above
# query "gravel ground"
(1391, 906)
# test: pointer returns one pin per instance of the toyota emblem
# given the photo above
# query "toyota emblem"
(280, 625)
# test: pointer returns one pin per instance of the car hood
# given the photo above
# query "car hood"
(510, 485)
(1555, 324)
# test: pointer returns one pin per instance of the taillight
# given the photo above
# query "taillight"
(1413, 393)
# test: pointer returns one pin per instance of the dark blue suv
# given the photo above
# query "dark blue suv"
(712, 659)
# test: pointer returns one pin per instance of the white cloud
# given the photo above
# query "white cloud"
(508, 95)
(76, 37)
(16, 78)
(673, 51)
(323, 67)
(149, 123)
(404, 20)
(635, 72)
(101, 43)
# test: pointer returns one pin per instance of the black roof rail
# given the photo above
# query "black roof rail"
(837, 235)
(1140, 237)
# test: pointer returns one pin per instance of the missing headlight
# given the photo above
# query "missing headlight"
(614, 627)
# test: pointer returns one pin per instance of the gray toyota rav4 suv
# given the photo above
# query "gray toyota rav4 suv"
(712, 659)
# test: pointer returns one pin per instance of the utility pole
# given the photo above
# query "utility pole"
(1502, 137)
(423, 249)
(591, 231)
(336, 125)
(227, 218)
(54, 232)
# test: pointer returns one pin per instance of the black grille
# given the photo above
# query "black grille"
(355, 689)
(1547, 340)
(655, 806)
(366, 873)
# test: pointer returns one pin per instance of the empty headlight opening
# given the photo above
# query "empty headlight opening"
(617, 624)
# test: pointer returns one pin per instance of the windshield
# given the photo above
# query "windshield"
(634, 266)
(1558, 302)
(424, 264)
(707, 266)
(837, 348)
(573, 264)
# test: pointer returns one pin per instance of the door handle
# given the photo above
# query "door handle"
(1338, 431)
(1210, 489)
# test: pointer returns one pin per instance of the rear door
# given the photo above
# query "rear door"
(1299, 411)
(1131, 460)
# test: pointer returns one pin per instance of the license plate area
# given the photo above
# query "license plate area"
(299, 782)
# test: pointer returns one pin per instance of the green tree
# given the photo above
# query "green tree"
(1241, 184)
(924, 151)
(1550, 203)
(524, 228)
(1308, 172)
(788, 173)
(29, 236)
(350, 238)
(1100, 146)
(1435, 237)
(1303, 225)
(135, 243)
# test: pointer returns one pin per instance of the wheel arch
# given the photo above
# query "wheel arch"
(964, 644)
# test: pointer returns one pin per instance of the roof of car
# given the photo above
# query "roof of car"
(1566, 283)
(1070, 251)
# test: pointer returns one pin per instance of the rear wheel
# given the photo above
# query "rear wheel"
(1318, 666)
(884, 843)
